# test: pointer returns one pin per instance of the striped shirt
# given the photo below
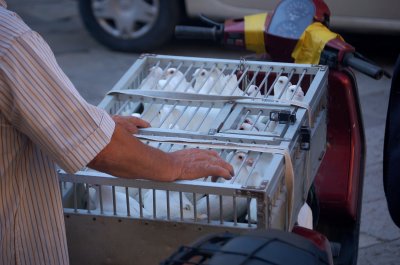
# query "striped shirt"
(43, 122)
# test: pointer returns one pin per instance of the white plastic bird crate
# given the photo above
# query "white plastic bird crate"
(267, 119)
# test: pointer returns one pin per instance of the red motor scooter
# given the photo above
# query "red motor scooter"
(297, 31)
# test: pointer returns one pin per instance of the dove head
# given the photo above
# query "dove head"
(243, 156)
(282, 80)
(216, 72)
(200, 73)
(299, 94)
(247, 124)
(248, 120)
(187, 206)
(290, 92)
(280, 84)
(205, 81)
(237, 158)
(156, 71)
(295, 93)
(252, 91)
(173, 72)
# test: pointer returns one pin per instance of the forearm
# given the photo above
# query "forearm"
(125, 156)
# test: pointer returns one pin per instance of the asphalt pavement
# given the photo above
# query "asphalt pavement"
(94, 70)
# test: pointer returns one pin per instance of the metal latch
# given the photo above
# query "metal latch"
(305, 138)
(283, 117)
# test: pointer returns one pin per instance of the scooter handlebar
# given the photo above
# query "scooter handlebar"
(199, 33)
(364, 67)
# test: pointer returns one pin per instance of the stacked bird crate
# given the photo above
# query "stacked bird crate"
(267, 119)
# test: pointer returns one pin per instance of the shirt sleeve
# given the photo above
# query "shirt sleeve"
(43, 104)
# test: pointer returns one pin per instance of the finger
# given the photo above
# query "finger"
(212, 153)
(140, 123)
(212, 157)
(223, 164)
(216, 171)
(214, 178)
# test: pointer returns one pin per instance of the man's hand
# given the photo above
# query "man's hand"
(196, 163)
(131, 124)
(127, 157)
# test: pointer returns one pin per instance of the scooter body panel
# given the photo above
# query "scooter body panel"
(340, 177)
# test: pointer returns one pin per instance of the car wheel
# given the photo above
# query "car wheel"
(130, 25)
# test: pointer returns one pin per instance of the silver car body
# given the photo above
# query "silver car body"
(352, 15)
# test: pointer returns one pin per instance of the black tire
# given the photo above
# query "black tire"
(257, 247)
(147, 38)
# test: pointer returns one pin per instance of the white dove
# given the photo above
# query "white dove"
(305, 217)
(263, 125)
(240, 164)
(294, 94)
(253, 91)
(253, 211)
(226, 85)
(137, 115)
(120, 202)
(173, 117)
(175, 81)
(200, 119)
(250, 125)
(204, 82)
(271, 126)
(151, 80)
(174, 205)
(126, 112)
(151, 113)
(255, 179)
(280, 85)
(132, 192)
(214, 82)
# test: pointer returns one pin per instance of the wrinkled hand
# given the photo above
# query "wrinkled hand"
(131, 124)
(196, 163)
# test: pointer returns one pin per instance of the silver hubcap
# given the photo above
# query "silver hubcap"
(127, 19)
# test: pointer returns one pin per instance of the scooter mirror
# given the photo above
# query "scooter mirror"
(288, 22)
(291, 18)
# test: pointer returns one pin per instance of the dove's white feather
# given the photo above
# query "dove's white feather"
(240, 165)
(252, 124)
(151, 113)
(253, 91)
(120, 202)
(204, 82)
(137, 115)
(132, 192)
(255, 179)
(214, 82)
(281, 84)
(199, 119)
(253, 211)
(175, 80)
(227, 85)
(150, 82)
(305, 217)
(169, 116)
(174, 204)
(295, 93)
(271, 126)
(245, 126)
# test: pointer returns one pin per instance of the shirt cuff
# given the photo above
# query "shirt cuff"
(88, 149)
